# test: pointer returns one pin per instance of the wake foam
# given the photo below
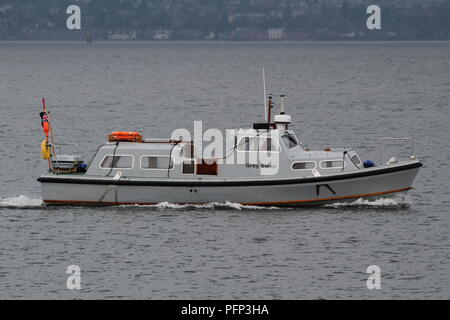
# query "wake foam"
(211, 205)
(20, 202)
(375, 203)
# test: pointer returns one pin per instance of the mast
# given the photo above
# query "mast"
(269, 111)
(265, 100)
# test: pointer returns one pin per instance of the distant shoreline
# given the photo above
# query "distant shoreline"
(233, 41)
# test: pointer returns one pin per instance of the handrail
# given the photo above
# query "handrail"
(380, 141)
(67, 144)
(58, 145)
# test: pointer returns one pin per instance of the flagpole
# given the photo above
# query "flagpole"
(52, 138)
(46, 129)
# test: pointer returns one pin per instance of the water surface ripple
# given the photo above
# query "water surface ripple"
(339, 94)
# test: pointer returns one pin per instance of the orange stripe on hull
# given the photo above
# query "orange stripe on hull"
(243, 203)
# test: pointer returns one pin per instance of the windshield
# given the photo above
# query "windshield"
(289, 140)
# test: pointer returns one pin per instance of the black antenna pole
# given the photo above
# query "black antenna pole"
(269, 111)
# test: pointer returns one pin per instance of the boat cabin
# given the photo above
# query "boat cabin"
(284, 156)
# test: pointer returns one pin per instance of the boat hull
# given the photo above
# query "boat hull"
(375, 183)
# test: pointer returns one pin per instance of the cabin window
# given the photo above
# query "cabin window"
(267, 144)
(188, 150)
(247, 144)
(356, 160)
(156, 162)
(189, 167)
(118, 162)
(257, 144)
(306, 165)
(329, 164)
(289, 140)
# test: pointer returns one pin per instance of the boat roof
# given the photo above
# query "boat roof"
(140, 145)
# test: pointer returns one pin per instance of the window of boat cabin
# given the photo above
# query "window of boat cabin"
(247, 144)
(329, 164)
(188, 153)
(257, 144)
(289, 140)
(156, 162)
(188, 150)
(267, 144)
(189, 167)
(356, 160)
(119, 162)
(305, 165)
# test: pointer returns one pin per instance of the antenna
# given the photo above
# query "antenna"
(265, 101)
(269, 111)
(282, 110)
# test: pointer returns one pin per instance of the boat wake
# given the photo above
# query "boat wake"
(27, 202)
(375, 203)
(20, 202)
(208, 206)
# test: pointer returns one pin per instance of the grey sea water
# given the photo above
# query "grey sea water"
(339, 94)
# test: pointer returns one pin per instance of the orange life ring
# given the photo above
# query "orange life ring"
(127, 136)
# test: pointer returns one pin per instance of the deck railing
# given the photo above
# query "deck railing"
(381, 141)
